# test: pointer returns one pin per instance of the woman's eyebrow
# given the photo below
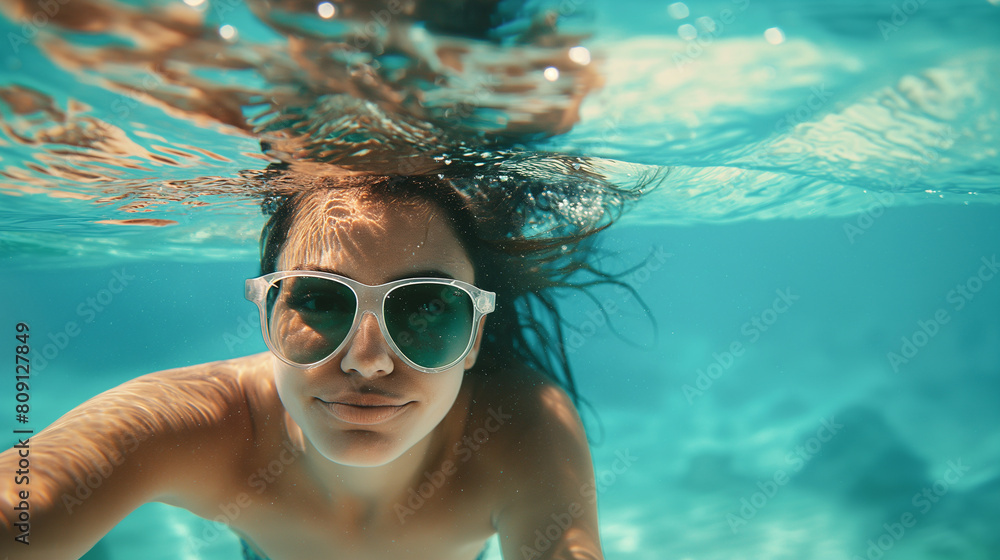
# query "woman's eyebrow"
(427, 273)
(317, 268)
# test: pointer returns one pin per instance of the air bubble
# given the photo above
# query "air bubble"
(580, 55)
(326, 10)
(678, 10)
(775, 36)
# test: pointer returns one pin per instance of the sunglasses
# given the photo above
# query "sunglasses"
(307, 316)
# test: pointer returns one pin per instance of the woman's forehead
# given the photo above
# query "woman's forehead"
(372, 240)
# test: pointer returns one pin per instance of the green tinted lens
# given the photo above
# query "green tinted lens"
(430, 323)
(308, 318)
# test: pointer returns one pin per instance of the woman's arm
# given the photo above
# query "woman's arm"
(551, 500)
(149, 439)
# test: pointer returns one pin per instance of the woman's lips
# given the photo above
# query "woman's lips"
(363, 415)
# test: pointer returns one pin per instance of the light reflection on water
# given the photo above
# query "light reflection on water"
(165, 114)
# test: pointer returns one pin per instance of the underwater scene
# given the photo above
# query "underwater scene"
(802, 360)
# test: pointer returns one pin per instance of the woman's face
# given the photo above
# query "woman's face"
(337, 232)
(373, 244)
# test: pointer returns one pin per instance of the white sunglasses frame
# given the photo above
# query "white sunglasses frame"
(370, 299)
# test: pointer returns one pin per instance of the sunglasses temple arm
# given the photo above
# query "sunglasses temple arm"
(252, 290)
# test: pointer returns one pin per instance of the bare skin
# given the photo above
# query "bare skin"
(251, 442)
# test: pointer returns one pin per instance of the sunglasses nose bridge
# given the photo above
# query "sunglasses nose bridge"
(361, 322)
(369, 301)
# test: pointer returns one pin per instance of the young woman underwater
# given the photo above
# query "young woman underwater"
(416, 399)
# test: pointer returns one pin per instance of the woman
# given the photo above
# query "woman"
(414, 429)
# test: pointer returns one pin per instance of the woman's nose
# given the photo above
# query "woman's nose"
(368, 353)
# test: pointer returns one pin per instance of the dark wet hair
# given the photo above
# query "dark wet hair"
(526, 238)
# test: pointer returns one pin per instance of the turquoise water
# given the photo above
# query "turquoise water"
(824, 379)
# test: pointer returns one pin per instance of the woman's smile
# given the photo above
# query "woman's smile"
(363, 414)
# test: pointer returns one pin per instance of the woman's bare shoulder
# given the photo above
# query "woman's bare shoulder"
(224, 387)
(531, 399)
(526, 417)
(536, 446)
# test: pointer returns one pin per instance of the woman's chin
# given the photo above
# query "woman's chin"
(364, 449)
